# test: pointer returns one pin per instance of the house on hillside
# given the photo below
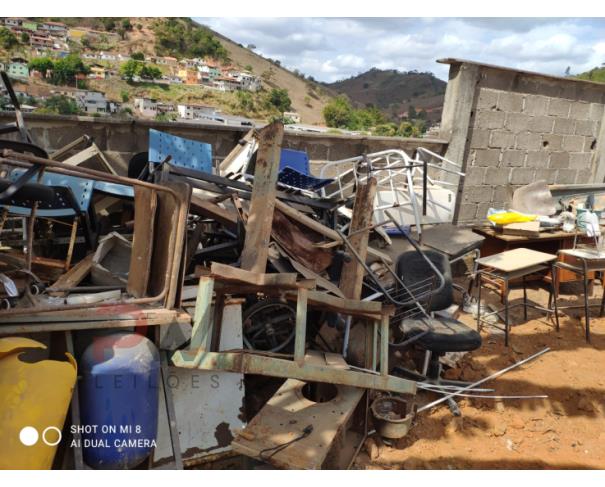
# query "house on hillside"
(17, 68)
(146, 107)
(98, 71)
(192, 111)
(294, 116)
(227, 83)
(12, 22)
(94, 102)
(55, 29)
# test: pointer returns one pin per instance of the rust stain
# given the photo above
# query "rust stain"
(223, 434)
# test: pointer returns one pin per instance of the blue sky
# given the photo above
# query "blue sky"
(336, 48)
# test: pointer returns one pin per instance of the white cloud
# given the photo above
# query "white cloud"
(335, 48)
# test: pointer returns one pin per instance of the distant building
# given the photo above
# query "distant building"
(294, 116)
(94, 102)
(98, 71)
(165, 107)
(17, 68)
(192, 112)
(226, 83)
(147, 107)
(12, 22)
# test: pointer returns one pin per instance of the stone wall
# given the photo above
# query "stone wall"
(120, 139)
(515, 128)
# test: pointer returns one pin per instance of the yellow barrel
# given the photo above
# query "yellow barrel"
(34, 398)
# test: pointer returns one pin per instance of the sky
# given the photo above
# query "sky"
(331, 49)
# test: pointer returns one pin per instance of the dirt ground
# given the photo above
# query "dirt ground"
(567, 430)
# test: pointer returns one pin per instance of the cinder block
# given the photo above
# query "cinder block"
(584, 176)
(547, 175)
(596, 112)
(558, 107)
(517, 122)
(579, 160)
(563, 126)
(487, 157)
(552, 142)
(586, 127)
(510, 102)
(487, 99)
(468, 212)
(528, 141)
(479, 138)
(478, 194)
(566, 176)
(573, 143)
(474, 175)
(535, 105)
(513, 158)
(537, 158)
(590, 144)
(490, 120)
(501, 195)
(501, 139)
(496, 175)
(559, 160)
(482, 210)
(579, 110)
(541, 124)
(522, 175)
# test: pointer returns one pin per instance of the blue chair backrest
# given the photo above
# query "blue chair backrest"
(186, 153)
(81, 188)
(295, 159)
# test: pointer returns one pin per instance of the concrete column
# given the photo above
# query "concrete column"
(458, 105)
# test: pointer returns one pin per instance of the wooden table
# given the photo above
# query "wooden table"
(549, 241)
(511, 265)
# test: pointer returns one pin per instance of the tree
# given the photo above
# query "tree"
(7, 39)
(338, 112)
(126, 25)
(412, 113)
(41, 64)
(138, 56)
(125, 96)
(24, 38)
(130, 69)
(280, 99)
(109, 23)
(149, 72)
(66, 69)
(61, 104)
(249, 68)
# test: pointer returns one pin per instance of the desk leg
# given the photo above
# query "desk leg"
(479, 324)
(586, 310)
(524, 299)
(506, 318)
(602, 310)
(554, 270)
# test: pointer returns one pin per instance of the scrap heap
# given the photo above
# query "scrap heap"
(269, 305)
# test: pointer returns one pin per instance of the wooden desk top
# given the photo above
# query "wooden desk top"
(553, 235)
(516, 259)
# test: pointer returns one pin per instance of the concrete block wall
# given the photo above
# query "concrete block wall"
(121, 139)
(522, 127)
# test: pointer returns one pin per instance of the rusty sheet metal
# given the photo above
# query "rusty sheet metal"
(248, 363)
(298, 242)
(209, 405)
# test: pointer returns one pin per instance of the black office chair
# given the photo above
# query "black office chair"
(436, 335)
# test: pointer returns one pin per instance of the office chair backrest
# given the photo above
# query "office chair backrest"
(412, 268)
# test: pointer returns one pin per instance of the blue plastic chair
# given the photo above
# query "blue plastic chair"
(295, 171)
(186, 153)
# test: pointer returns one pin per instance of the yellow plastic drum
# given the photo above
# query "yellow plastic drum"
(34, 398)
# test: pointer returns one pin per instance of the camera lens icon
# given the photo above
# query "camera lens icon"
(29, 436)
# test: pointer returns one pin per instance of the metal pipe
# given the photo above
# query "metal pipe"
(479, 382)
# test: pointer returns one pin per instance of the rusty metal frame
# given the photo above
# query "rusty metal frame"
(26, 161)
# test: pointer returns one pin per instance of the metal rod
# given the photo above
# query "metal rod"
(479, 382)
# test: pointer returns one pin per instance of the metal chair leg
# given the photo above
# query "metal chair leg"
(586, 309)
(554, 271)
(479, 323)
(506, 317)
(524, 299)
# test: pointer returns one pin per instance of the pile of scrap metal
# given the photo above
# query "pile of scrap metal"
(283, 313)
